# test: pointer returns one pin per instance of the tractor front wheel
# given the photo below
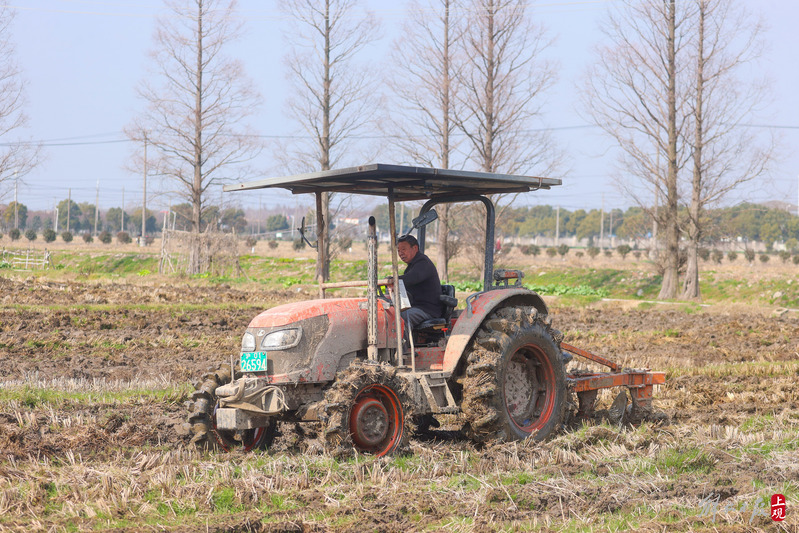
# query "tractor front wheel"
(515, 383)
(366, 409)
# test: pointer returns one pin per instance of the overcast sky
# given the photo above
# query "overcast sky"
(82, 60)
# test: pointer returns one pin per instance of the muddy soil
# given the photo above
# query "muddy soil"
(118, 335)
(175, 333)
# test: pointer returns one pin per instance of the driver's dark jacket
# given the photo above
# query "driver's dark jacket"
(423, 285)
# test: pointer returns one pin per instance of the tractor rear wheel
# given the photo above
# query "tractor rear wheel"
(203, 419)
(515, 384)
(366, 409)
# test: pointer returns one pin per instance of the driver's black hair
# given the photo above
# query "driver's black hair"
(410, 239)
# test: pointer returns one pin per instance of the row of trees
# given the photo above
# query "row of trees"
(623, 250)
(749, 222)
(745, 222)
(75, 218)
(49, 235)
(468, 79)
(670, 90)
(80, 217)
(470, 67)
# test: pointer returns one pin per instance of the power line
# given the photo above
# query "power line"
(64, 141)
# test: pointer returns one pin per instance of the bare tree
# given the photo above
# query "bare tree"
(724, 155)
(17, 157)
(425, 83)
(332, 96)
(502, 86)
(636, 92)
(501, 89)
(197, 102)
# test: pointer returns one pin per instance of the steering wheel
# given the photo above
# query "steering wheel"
(383, 296)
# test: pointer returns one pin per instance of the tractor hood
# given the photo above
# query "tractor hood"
(346, 309)
(332, 334)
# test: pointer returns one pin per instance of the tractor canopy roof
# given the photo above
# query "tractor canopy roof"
(402, 183)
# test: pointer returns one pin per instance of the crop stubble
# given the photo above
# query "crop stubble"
(80, 423)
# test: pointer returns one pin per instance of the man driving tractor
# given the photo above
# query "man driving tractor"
(421, 283)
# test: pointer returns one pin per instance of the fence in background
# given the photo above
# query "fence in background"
(26, 260)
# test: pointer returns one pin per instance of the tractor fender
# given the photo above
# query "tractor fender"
(482, 304)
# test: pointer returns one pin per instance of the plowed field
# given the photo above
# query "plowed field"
(95, 376)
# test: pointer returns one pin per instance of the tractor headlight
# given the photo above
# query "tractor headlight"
(282, 339)
(248, 342)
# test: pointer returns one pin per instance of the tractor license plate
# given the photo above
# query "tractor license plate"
(253, 362)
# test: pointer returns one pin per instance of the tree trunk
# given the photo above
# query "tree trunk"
(443, 211)
(489, 165)
(323, 228)
(197, 187)
(690, 290)
(668, 288)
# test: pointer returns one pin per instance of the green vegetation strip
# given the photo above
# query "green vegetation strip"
(179, 307)
(570, 281)
(33, 396)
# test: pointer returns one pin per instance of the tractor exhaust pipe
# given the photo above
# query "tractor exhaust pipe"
(371, 291)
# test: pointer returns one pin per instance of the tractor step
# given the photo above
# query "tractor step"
(437, 391)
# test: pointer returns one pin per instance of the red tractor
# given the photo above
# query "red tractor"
(340, 361)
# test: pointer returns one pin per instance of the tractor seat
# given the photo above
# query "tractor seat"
(448, 304)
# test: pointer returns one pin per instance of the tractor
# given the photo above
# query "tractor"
(343, 363)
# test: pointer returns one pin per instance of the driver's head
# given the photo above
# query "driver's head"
(407, 247)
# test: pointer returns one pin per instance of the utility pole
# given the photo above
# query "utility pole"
(602, 223)
(69, 206)
(96, 208)
(55, 208)
(122, 216)
(144, 197)
(16, 204)
(219, 213)
(610, 229)
(557, 226)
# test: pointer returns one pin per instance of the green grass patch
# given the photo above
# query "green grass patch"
(521, 478)
(278, 502)
(690, 460)
(34, 397)
(99, 264)
(560, 289)
(769, 447)
(225, 501)
(757, 423)
(463, 481)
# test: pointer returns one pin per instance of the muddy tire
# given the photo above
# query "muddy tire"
(515, 383)
(203, 420)
(367, 409)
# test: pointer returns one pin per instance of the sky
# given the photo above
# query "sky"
(83, 59)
